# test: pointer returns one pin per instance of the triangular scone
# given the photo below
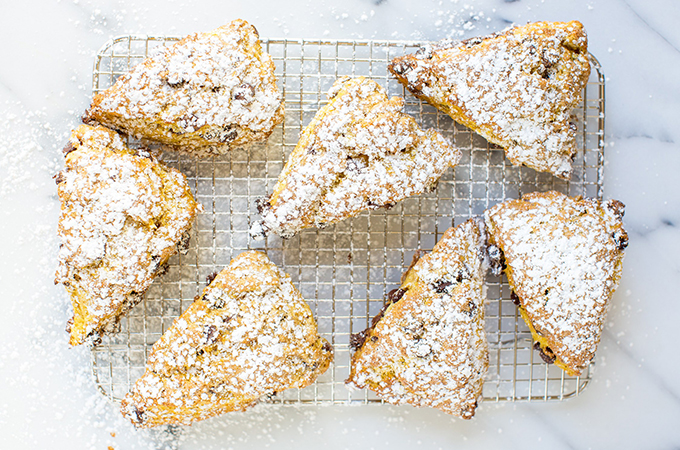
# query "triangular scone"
(249, 335)
(203, 95)
(122, 215)
(429, 348)
(563, 258)
(359, 152)
(517, 88)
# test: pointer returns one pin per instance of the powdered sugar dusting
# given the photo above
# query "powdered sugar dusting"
(122, 214)
(564, 262)
(360, 152)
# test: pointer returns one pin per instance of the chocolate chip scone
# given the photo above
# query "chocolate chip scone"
(204, 95)
(564, 258)
(122, 216)
(249, 335)
(428, 347)
(517, 88)
(360, 152)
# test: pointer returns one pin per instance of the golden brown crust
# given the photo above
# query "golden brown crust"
(358, 153)
(564, 258)
(204, 95)
(429, 348)
(249, 335)
(517, 88)
(122, 215)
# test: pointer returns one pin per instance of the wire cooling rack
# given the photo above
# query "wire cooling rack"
(344, 271)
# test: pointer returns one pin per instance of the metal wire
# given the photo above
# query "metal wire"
(344, 271)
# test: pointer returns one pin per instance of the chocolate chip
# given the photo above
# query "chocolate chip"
(210, 334)
(472, 309)
(496, 260)
(327, 347)
(209, 279)
(311, 151)
(87, 119)
(262, 204)
(617, 208)
(97, 339)
(244, 92)
(162, 269)
(176, 83)
(514, 298)
(183, 244)
(395, 295)
(374, 205)
(546, 353)
(378, 317)
(472, 41)
(213, 302)
(223, 134)
(68, 148)
(621, 240)
(356, 164)
(58, 178)
(441, 286)
(139, 415)
(228, 136)
(424, 52)
(374, 338)
(463, 274)
(356, 340)
(69, 324)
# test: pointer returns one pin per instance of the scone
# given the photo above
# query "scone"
(359, 152)
(122, 216)
(428, 347)
(249, 335)
(204, 95)
(563, 258)
(516, 88)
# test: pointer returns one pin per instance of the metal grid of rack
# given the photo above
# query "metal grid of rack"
(344, 271)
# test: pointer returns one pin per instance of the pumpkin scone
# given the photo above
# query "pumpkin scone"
(249, 335)
(516, 88)
(123, 214)
(564, 257)
(360, 152)
(203, 95)
(428, 347)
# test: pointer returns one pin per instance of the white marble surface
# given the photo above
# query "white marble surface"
(47, 399)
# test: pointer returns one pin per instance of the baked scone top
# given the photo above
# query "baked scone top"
(564, 257)
(249, 335)
(359, 152)
(203, 95)
(429, 348)
(516, 88)
(122, 214)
